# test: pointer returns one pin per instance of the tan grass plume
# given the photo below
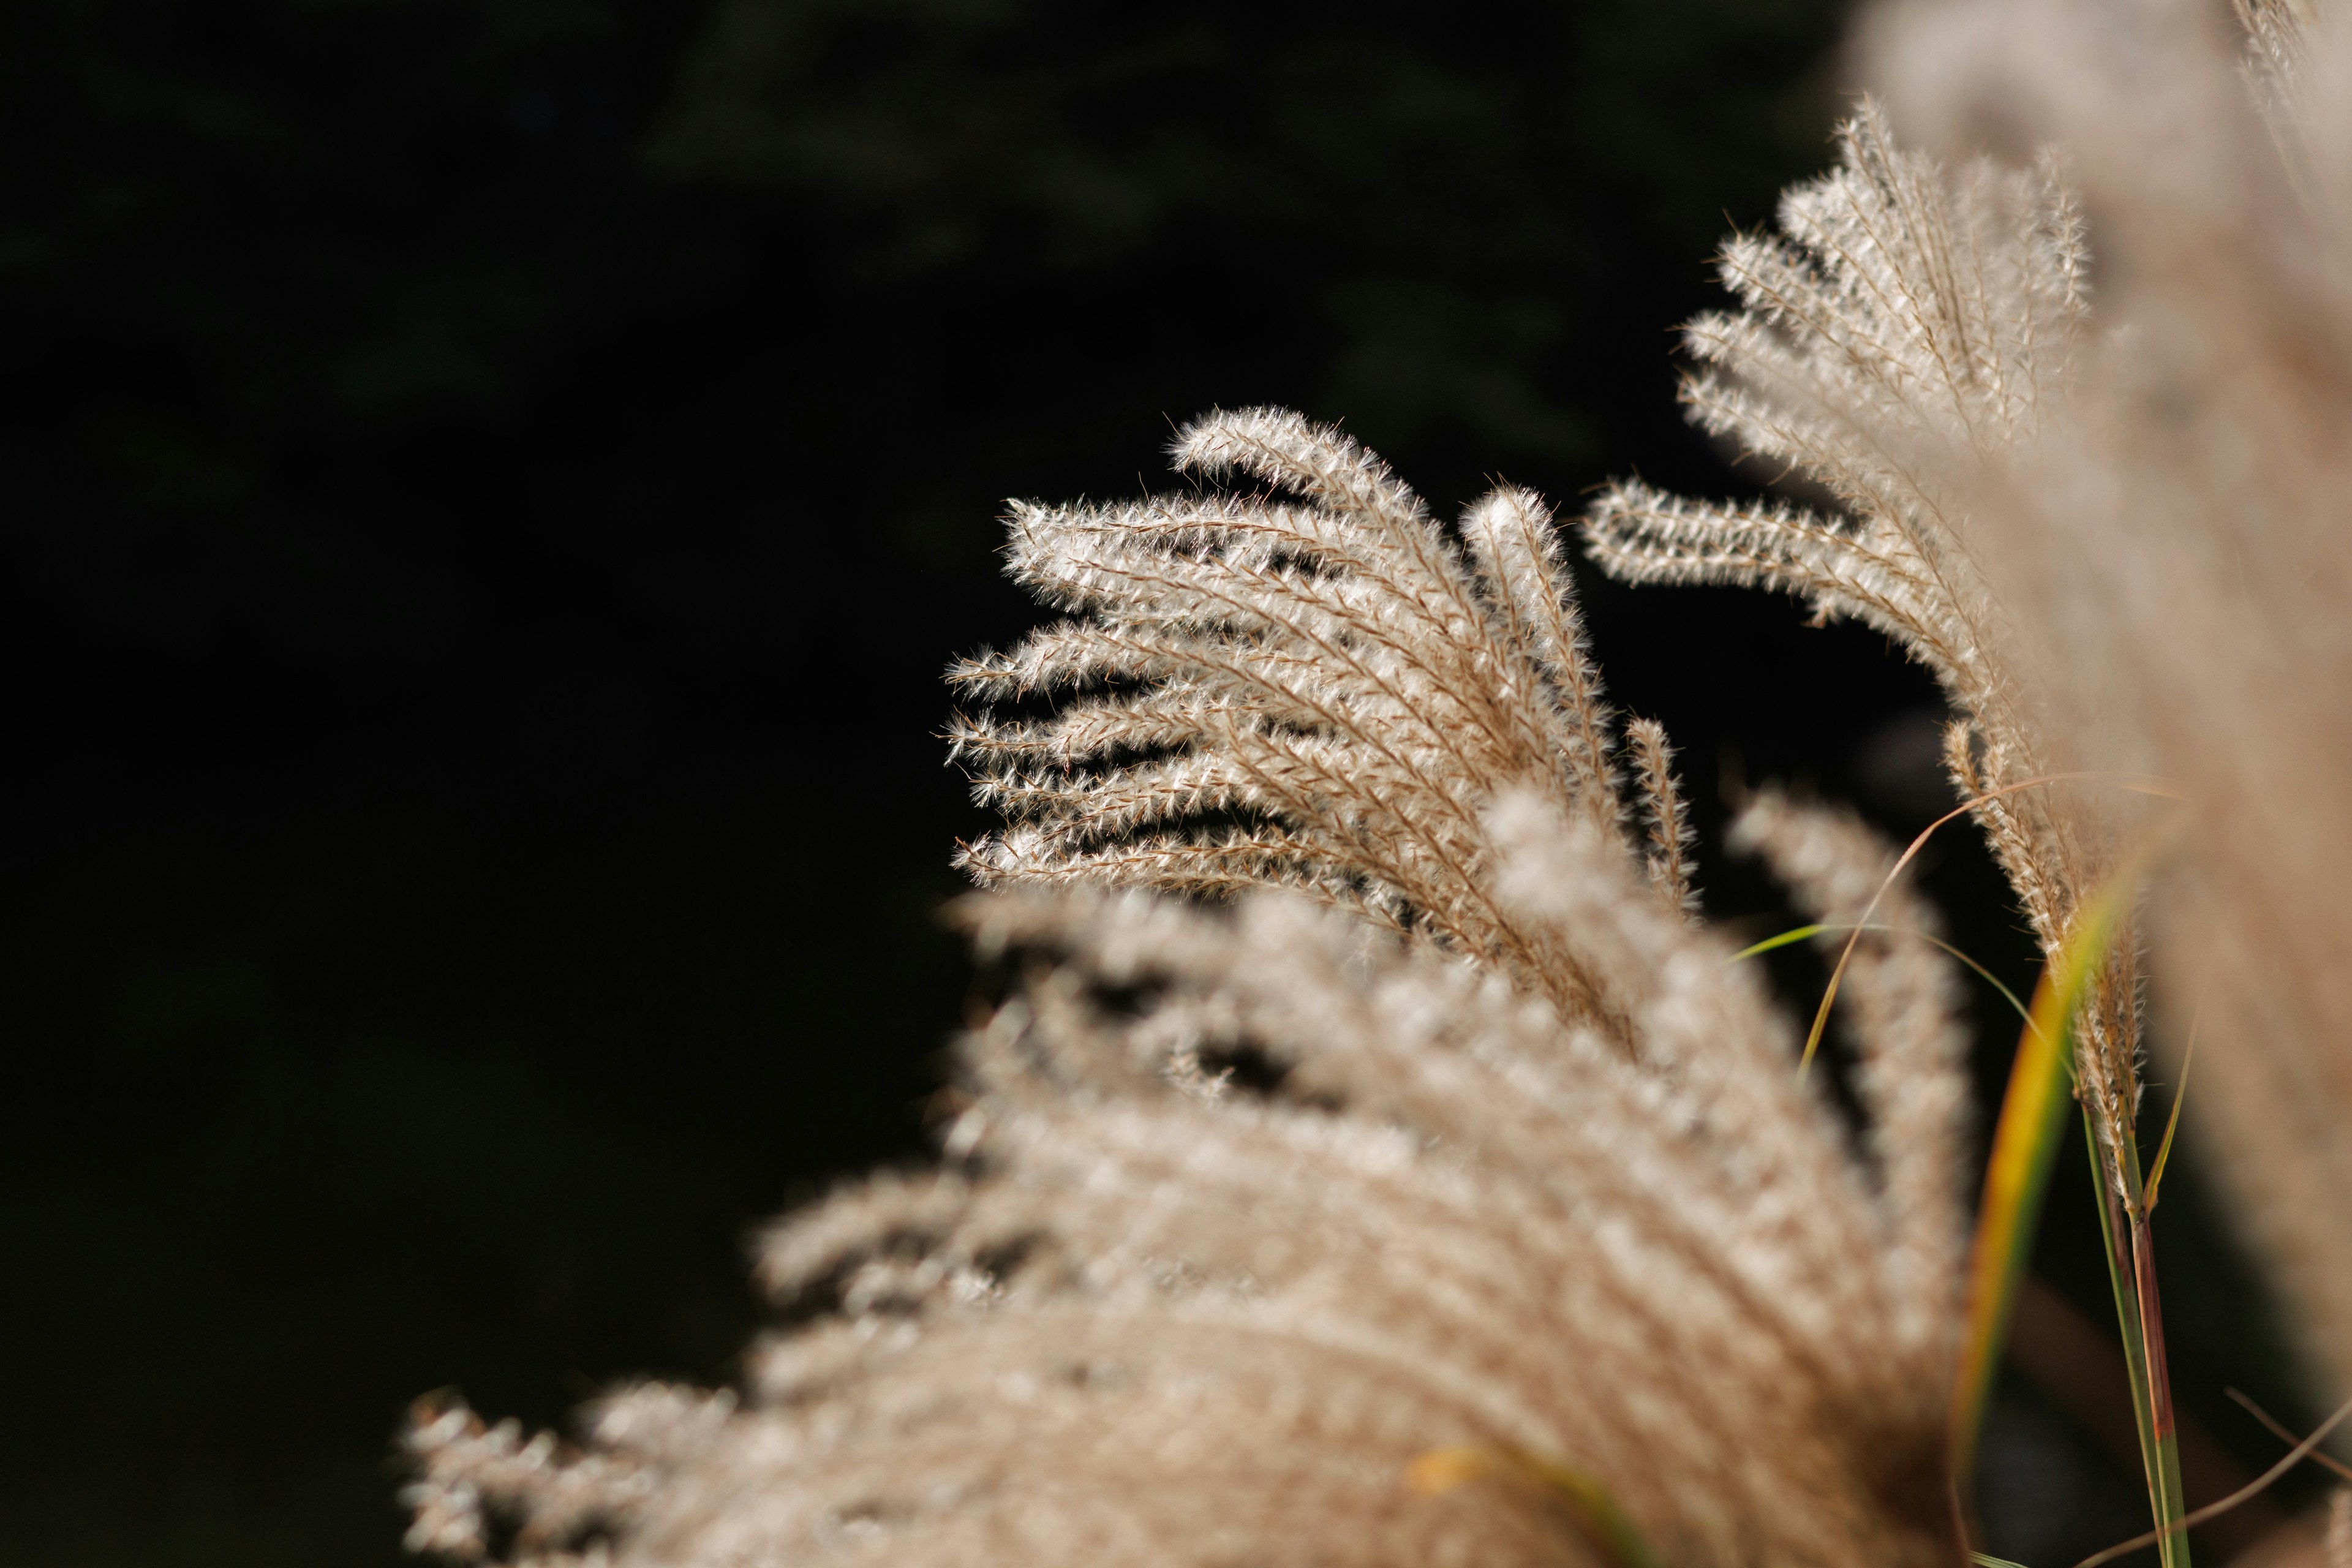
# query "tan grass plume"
(1906, 329)
(1248, 1213)
(2179, 546)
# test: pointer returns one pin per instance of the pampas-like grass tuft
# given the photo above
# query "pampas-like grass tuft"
(1371, 1097)
(1521, 1165)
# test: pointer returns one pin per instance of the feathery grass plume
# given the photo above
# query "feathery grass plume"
(1525, 1174)
(1912, 1051)
(2177, 549)
(1905, 329)
(1147, 1313)
(1308, 686)
(1671, 835)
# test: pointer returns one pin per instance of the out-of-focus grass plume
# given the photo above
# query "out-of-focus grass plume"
(2175, 547)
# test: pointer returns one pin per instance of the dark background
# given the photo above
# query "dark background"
(489, 490)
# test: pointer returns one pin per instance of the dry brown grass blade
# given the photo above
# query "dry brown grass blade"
(2252, 1488)
(2279, 1429)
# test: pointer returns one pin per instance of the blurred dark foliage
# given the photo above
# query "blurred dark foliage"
(491, 488)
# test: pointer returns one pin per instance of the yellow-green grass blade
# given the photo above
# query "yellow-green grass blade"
(2171, 1123)
(2017, 1178)
(2137, 783)
(1786, 939)
(1612, 1532)
(1800, 933)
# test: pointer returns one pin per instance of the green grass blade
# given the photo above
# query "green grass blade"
(2017, 1178)
(2131, 1274)
(1786, 939)
(2137, 783)
(1986, 975)
(2172, 1123)
(2129, 1248)
(1789, 938)
(2132, 1280)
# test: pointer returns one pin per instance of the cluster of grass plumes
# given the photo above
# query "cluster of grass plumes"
(1153, 1310)
(1519, 1171)
(2177, 549)
(1905, 332)
(1446, 1196)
